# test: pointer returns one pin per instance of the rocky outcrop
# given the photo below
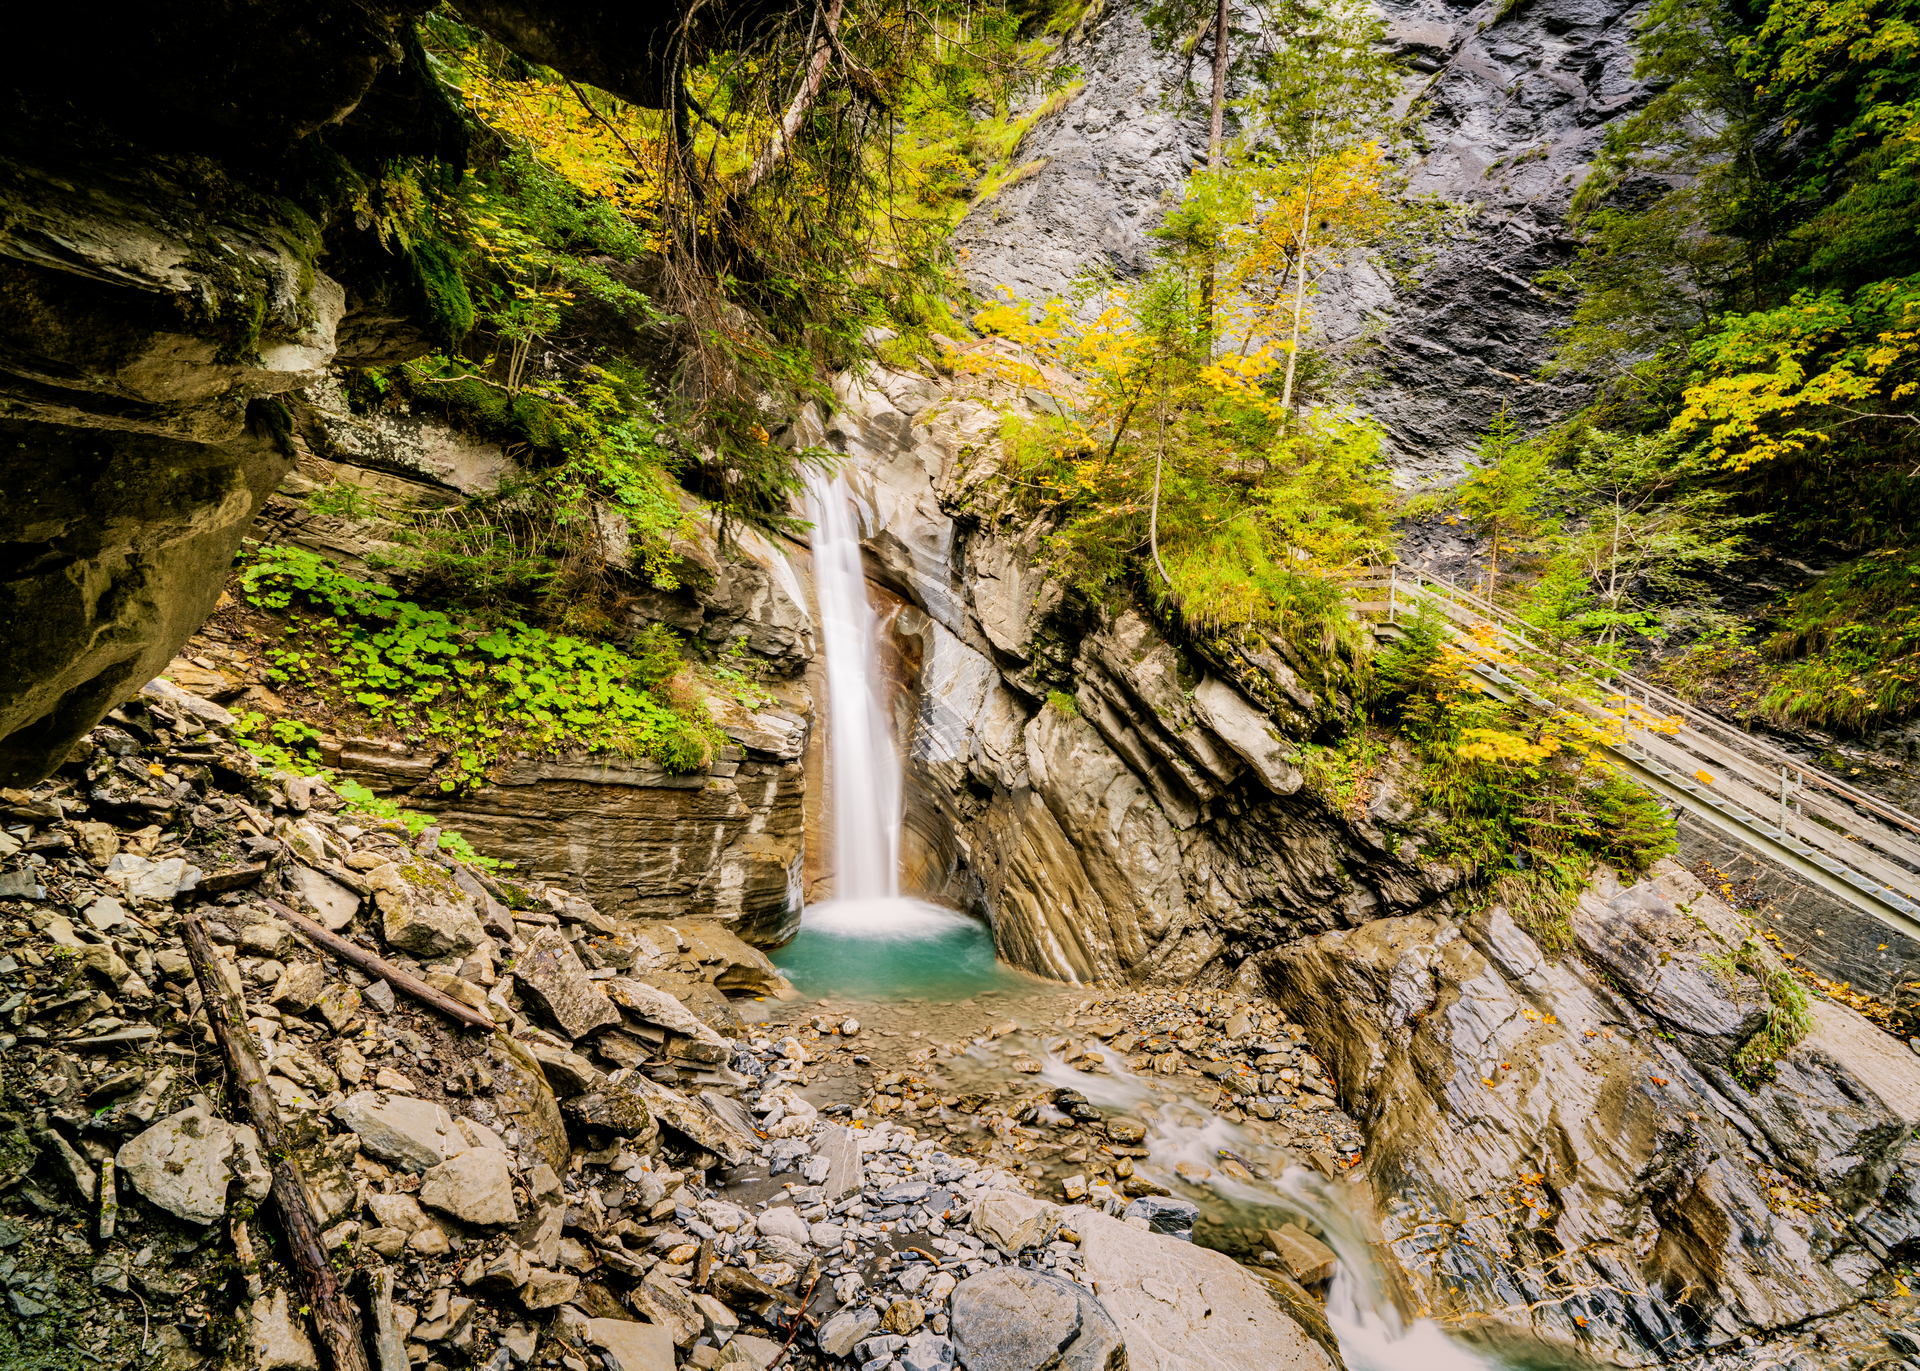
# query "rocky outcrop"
(1510, 104)
(162, 286)
(1151, 820)
(1560, 1145)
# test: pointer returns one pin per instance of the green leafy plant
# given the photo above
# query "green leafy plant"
(474, 687)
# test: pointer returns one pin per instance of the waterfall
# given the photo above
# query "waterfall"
(865, 768)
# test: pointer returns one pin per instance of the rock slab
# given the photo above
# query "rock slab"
(1017, 1320)
(1186, 1308)
(185, 1162)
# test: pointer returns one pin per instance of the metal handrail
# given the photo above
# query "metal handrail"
(1843, 852)
(1698, 714)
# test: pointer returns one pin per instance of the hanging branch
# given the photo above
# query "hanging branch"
(803, 99)
(334, 1316)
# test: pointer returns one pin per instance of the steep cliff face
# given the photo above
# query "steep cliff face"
(724, 842)
(1574, 1147)
(1510, 103)
(172, 260)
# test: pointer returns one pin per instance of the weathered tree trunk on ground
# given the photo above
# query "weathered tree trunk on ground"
(375, 966)
(335, 1318)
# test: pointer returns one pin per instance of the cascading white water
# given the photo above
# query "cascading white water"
(1370, 1331)
(865, 769)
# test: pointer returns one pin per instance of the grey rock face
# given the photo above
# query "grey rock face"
(1107, 158)
(185, 1162)
(1510, 114)
(1464, 1052)
(1017, 1320)
(141, 424)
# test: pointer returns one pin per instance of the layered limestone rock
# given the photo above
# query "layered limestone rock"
(1559, 1143)
(1158, 823)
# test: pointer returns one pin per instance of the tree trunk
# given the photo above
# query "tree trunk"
(1218, 132)
(1215, 136)
(1299, 290)
(803, 99)
(335, 1318)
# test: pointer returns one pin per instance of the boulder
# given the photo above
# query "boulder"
(611, 1109)
(551, 976)
(1014, 1222)
(629, 1346)
(522, 1096)
(667, 1305)
(475, 1187)
(279, 1342)
(845, 1328)
(783, 1221)
(402, 1212)
(423, 912)
(298, 987)
(333, 904)
(1308, 1260)
(547, 1289)
(693, 1120)
(1166, 1214)
(568, 1073)
(1011, 1319)
(185, 1162)
(413, 1134)
(840, 1151)
(1185, 1308)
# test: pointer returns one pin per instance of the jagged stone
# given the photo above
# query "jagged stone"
(1308, 1260)
(299, 987)
(630, 1346)
(185, 1162)
(611, 1109)
(423, 912)
(1014, 1222)
(334, 905)
(567, 1072)
(693, 1120)
(411, 1133)
(551, 976)
(279, 1342)
(1011, 1319)
(840, 1332)
(1177, 1305)
(475, 1187)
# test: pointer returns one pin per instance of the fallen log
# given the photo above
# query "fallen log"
(385, 970)
(335, 1318)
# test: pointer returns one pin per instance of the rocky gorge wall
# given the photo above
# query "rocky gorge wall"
(1510, 102)
(170, 267)
(724, 842)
